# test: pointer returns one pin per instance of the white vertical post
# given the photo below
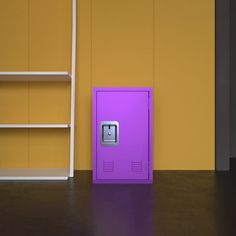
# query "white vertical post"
(73, 72)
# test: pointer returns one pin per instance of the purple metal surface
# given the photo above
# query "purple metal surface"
(131, 160)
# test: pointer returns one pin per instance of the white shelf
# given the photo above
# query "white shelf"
(35, 76)
(34, 126)
(33, 174)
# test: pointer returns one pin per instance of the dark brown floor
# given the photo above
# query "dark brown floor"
(179, 203)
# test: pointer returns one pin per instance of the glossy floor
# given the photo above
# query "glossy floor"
(178, 203)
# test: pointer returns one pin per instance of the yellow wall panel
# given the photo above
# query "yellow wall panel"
(122, 42)
(50, 35)
(13, 96)
(14, 35)
(50, 50)
(49, 102)
(83, 123)
(13, 102)
(14, 148)
(49, 148)
(184, 85)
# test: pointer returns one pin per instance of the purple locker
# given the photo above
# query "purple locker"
(122, 135)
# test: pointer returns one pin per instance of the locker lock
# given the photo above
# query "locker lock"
(109, 133)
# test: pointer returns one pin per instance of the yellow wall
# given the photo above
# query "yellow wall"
(184, 84)
(35, 36)
(164, 44)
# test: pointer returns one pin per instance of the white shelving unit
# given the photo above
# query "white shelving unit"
(24, 76)
(34, 174)
(45, 76)
(34, 126)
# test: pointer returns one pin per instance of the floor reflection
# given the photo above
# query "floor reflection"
(178, 203)
(120, 210)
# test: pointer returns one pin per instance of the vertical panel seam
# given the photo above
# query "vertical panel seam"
(28, 97)
(154, 43)
(91, 46)
(91, 58)
(154, 73)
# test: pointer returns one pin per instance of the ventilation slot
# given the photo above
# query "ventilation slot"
(136, 166)
(108, 166)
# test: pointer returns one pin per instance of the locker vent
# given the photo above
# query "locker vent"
(108, 166)
(136, 166)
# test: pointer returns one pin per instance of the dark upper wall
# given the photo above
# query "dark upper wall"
(232, 78)
(222, 80)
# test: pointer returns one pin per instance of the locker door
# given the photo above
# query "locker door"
(128, 156)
